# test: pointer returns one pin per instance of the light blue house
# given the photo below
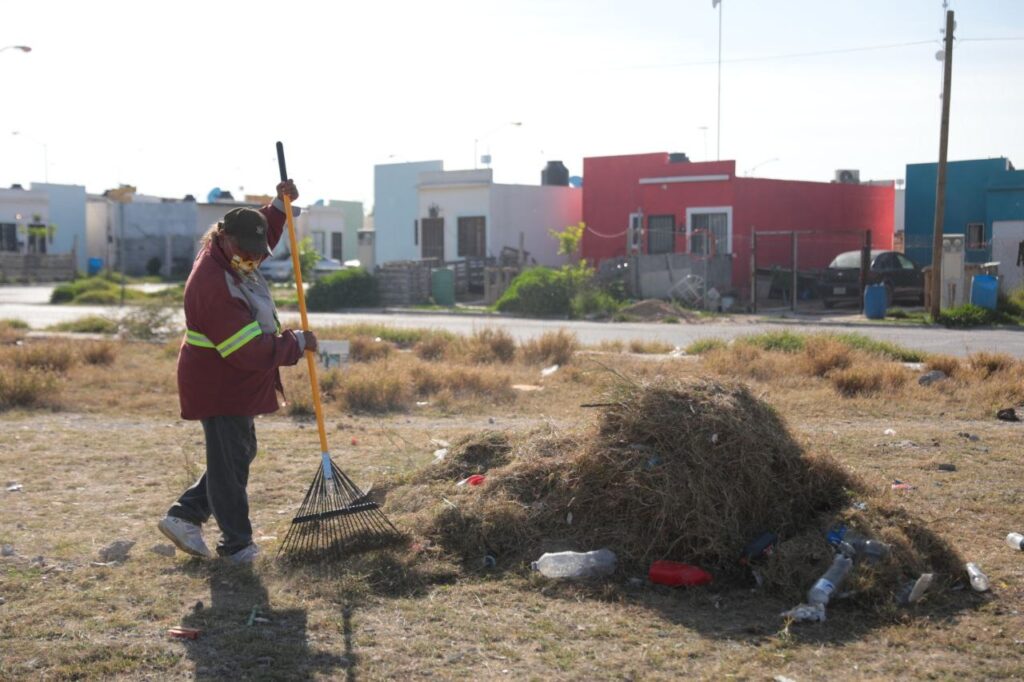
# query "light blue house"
(984, 202)
(396, 209)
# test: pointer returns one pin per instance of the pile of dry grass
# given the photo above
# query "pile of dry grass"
(551, 348)
(689, 470)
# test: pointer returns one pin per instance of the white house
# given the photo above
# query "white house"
(46, 219)
(395, 209)
(465, 214)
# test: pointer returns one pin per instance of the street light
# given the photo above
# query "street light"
(756, 166)
(46, 154)
(23, 48)
(718, 126)
(476, 140)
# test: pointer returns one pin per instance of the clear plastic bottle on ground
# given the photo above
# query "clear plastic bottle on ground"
(1015, 541)
(594, 564)
(866, 549)
(979, 581)
(826, 585)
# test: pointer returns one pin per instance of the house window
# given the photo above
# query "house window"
(433, 238)
(336, 238)
(709, 230)
(8, 237)
(975, 235)
(472, 237)
(634, 236)
(661, 233)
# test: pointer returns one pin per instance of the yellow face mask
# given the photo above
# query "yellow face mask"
(244, 266)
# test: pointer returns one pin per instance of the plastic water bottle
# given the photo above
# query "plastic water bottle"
(594, 564)
(979, 581)
(1015, 541)
(826, 585)
(866, 549)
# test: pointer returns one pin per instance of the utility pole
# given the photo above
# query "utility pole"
(718, 125)
(940, 183)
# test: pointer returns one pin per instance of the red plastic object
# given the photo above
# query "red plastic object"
(184, 633)
(476, 479)
(355, 442)
(676, 574)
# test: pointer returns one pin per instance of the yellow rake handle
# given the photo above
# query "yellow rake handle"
(310, 356)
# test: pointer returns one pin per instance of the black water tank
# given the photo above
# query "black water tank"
(678, 157)
(555, 173)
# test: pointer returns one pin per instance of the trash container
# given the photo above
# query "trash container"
(984, 291)
(442, 286)
(874, 302)
(95, 265)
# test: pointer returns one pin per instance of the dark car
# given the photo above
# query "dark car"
(903, 280)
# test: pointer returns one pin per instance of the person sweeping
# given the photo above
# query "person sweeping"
(228, 372)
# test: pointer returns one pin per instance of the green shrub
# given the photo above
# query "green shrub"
(89, 324)
(704, 345)
(539, 291)
(349, 288)
(887, 349)
(970, 315)
(593, 302)
(1012, 304)
(13, 323)
(784, 341)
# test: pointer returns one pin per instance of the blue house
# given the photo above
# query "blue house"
(984, 202)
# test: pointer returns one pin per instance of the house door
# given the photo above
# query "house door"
(1007, 245)
(432, 241)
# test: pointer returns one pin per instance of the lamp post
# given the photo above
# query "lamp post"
(718, 126)
(476, 140)
(758, 165)
(46, 154)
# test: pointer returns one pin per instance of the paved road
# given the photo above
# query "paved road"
(28, 304)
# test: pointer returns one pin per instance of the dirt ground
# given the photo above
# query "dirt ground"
(108, 456)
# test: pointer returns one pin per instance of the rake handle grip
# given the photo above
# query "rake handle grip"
(310, 357)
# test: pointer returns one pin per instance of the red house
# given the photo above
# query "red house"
(664, 203)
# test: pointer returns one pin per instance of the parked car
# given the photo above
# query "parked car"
(902, 277)
(279, 269)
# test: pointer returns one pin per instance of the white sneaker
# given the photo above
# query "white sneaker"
(186, 536)
(246, 555)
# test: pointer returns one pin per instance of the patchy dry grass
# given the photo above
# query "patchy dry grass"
(551, 348)
(115, 452)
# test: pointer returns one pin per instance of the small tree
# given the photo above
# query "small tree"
(308, 257)
(570, 239)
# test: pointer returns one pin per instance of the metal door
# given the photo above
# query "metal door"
(1007, 237)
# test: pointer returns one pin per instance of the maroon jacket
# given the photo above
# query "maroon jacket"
(228, 361)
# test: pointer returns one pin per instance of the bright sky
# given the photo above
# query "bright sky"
(193, 95)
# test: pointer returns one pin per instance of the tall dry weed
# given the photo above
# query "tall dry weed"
(947, 364)
(368, 349)
(27, 388)
(823, 354)
(490, 345)
(988, 364)
(52, 356)
(98, 352)
(551, 348)
(869, 378)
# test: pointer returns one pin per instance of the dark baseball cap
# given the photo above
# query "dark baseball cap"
(249, 228)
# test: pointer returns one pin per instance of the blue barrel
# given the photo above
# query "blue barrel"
(984, 291)
(95, 265)
(874, 302)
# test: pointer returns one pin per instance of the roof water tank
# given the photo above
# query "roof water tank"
(678, 157)
(555, 173)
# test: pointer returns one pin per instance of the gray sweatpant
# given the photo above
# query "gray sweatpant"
(220, 491)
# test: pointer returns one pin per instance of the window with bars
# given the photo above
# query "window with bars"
(472, 237)
(432, 238)
(709, 233)
(975, 235)
(336, 240)
(661, 233)
(8, 237)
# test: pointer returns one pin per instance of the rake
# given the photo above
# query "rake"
(335, 518)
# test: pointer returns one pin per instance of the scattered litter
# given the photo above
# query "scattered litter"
(267, 538)
(568, 519)
(103, 564)
(116, 550)
(422, 403)
(929, 378)
(897, 484)
(526, 387)
(439, 443)
(635, 582)
(652, 462)
(677, 574)
(162, 550)
(593, 564)
(1007, 415)
(979, 581)
(355, 441)
(7, 550)
(548, 371)
(947, 467)
(860, 506)
(826, 585)
(761, 547)
(1013, 540)
(184, 633)
(913, 591)
(782, 678)
(13, 487)
(490, 420)
(890, 432)
(806, 613)
(198, 606)
(714, 439)
(440, 454)
(260, 619)
(489, 561)
(252, 616)
(969, 436)
(475, 479)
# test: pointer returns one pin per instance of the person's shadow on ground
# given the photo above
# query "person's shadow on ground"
(244, 637)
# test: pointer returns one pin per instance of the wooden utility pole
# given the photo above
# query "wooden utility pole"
(940, 183)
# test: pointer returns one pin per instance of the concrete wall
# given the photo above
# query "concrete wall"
(533, 211)
(354, 222)
(395, 208)
(166, 231)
